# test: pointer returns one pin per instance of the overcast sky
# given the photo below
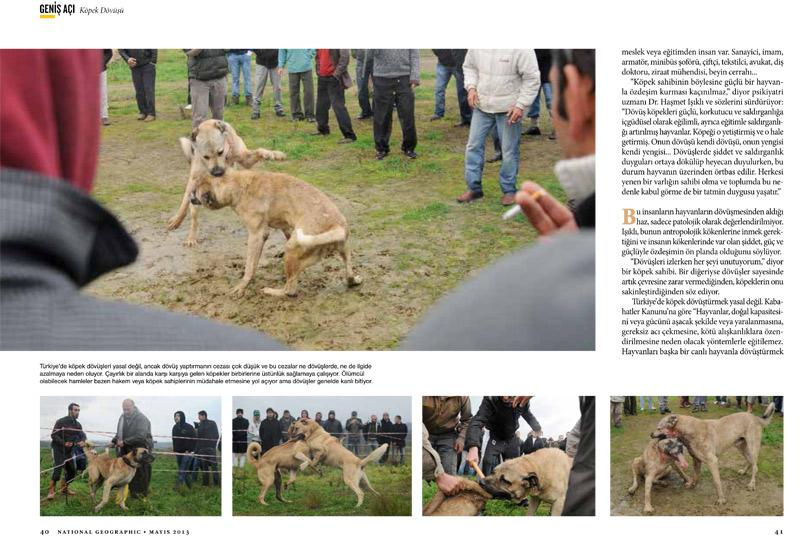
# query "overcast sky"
(102, 413)
(342, 405)
(556, 414)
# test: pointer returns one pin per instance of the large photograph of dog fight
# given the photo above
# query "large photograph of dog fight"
(697, 455)
(310, 199)
(508, 455)
(130, 456)
(321, 456)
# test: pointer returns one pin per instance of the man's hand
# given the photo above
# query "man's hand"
(280, 71)
(120, 444)
(448, 484)
(514, 115)
(131, 62)
(472, 455)
(521, 401)
(68, 444)
(414, 84)
(81, 444)
(472, 98)
(458, 446)
(544, 212)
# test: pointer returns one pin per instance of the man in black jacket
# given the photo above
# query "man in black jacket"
(451, 63)
(332, 80)
(66, 440)
(333, 426)
(270, 431)
(385, 431)
(267, 68)
(400, 431)
(207, 439)
(285, 422)
(207, 84)
(239, 438)
(500, 415)
(143, 72)
(184, 440)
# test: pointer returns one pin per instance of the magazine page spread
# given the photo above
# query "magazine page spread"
(239, 284)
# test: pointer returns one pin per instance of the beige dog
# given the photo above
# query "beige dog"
(655, 463)
(290, 457)
(707, 439)
(114, 472)
(468, 502)
(213, 148)
(312, 224)
(328, 450)
(542, 476)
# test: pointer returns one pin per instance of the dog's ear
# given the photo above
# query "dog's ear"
(188, 147)
(672, 420)
(195, 132)
(531, 481)
(222, 126)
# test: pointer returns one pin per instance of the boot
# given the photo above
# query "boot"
(248, 100)
(51, 491)
(65, 488)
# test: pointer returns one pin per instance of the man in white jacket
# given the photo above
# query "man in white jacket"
(501, 84)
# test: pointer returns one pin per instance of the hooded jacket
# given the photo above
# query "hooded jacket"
(183, 435)
(239, 435)
(504, 78)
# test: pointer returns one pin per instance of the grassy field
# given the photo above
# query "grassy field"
(162, 501)
(327, 495)
(412, 242)
(493, 507)
(630, 440)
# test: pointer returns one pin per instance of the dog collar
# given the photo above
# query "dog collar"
(129, 464)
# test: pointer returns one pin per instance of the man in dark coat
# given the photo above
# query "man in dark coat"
(286, 421)
(239, 438)
(270, 431)
(208, 69)
(133, 431)
(142, 63)
(385, 431)
(184, 441)
(267, 69)
(332, 425)
(400, 431)
(207, 439)
(66, 441)
(500, 415)
(371, 430)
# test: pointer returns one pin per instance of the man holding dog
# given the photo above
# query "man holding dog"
(133, 431)
(66, 441)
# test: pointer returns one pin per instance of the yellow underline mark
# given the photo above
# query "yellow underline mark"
(47, 16)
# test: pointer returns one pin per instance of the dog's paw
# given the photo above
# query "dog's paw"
(190, 242)
(721, 501)
(174, 222)
(648, 510)
(354, 281)
(97, 508)
(632, 490)
(237, 290)
(278, 155)
(751, 486)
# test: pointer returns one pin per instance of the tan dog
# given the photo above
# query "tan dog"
(213, 148)
(328, 450)
(655, 463)
(311, 223)
(707, 439)
(542, 476)
(290, 457)
(468, 502)
(114, 472)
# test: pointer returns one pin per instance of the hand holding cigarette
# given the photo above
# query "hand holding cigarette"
(544, 212)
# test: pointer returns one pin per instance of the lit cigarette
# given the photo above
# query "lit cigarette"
(516, 210)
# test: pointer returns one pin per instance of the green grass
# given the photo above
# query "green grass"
(327, 495)
(493, 507)
(162, 501)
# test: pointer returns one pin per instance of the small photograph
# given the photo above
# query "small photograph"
(321, 456)
(146, 456)
(697, 455)
(508, 455)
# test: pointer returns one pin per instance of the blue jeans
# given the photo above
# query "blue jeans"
(443, 74)
(237, 63)
(185, 467)
(547, 90)
(480, 127)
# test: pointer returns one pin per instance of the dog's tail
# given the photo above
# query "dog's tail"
(333, 235)
(766, 418)
(375, 455)
(253, 453)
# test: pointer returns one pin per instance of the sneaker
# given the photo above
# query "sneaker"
(469, 196)
(410, 153)
(380, 155)
(462, 123)
(255, 115)
(104, 121)
(533, 131)
(149, 118)
(235, 99)
(311, 119)
(552, 136)
(280, 113)
(141, 117)
(364, 116)
(495, 158)
(346, 140)
(435, 117)
(248, 100)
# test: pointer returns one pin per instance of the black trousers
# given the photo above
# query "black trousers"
(68, 468)
(388, 93)
(498, 451)
(580, 491)
(330, 93)
(208, 464)
(144, 82)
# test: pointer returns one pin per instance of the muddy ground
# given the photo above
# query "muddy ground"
(629, 441)
(412, 242)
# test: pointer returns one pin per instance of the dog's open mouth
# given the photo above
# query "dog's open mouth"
(495, 493)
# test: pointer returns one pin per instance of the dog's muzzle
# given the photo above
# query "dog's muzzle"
(495, 493)
(217, 171)
(193, 199)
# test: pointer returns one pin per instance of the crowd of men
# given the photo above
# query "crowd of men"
(496, 88)
(360, 436)
(195, 447)
(626, 405)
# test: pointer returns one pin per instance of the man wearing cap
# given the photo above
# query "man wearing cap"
(253, 428)
(353, 427)
(239, 438)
